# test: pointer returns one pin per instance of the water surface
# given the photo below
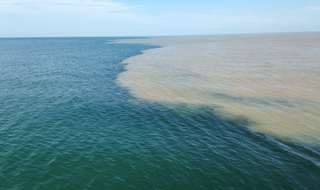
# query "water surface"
(65, 123)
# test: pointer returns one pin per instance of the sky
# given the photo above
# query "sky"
(64, 18)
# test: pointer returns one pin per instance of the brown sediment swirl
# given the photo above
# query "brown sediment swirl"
(272, 80)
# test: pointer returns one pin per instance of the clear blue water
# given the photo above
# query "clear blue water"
(66, 124)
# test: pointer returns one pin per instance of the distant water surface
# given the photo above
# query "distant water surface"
(66, 123)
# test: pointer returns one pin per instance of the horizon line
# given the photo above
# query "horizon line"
(156, 36)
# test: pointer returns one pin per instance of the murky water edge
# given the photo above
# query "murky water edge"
(271, 81)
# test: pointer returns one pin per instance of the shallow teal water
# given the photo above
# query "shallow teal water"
(66, 124)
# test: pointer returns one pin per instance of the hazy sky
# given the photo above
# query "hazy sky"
(31, 18)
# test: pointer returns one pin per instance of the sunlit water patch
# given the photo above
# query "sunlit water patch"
(272, 82)
(65, 123)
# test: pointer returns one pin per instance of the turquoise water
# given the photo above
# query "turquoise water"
(66, 124)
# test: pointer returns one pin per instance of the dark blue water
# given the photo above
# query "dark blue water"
(66, 124)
